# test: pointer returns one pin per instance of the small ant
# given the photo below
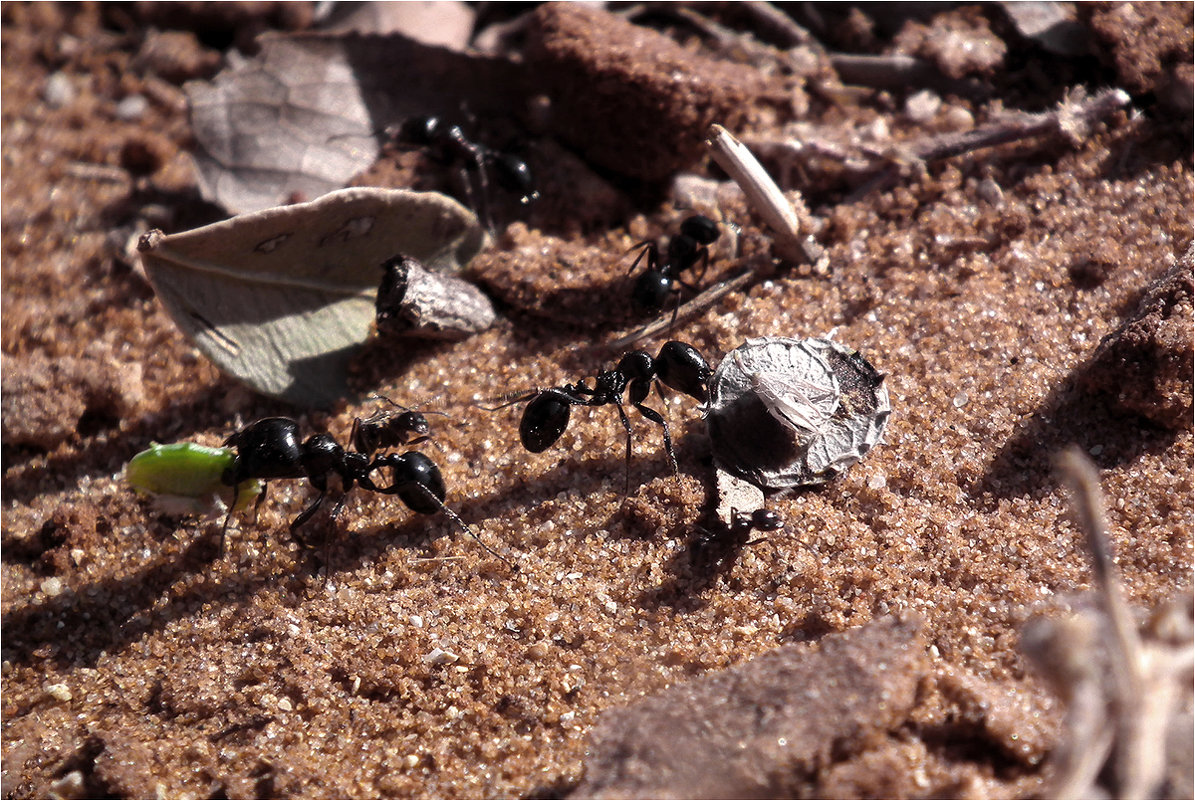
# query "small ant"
(678, 365)
(707, 543)
(271, 448)
(742, 524)
(449, 145)
(685, 249)
(387, 429)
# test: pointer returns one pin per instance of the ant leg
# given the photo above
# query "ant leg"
(626, 424)
(658, 419)
(257, 504)
(675, 310)
(306, 514)
(705, 263)
(224, 528)
(648, 249)
(455, 518)
(328, 540)
(236, 499)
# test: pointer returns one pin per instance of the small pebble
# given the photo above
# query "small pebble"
(52, 587)
(59, 692)
(132, 108)
(438, 656)
(958, 119)
(922, 106)
(58, 90)
(990, 192)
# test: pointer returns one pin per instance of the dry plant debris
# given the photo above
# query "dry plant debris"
(1128, 691)
(282, 299)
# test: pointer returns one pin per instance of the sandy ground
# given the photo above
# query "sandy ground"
(140, 662)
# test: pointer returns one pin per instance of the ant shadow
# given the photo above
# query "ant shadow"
(111, 612)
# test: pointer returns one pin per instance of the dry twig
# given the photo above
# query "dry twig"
(691, 308)
(762, 195)
(1122, 689)
(1073, 119)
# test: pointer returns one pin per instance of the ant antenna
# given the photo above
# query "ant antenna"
(455, 518)
(380, 397)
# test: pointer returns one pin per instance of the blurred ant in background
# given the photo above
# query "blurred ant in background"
(449, 145)
(663, 272)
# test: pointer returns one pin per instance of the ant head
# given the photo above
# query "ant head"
(414, 422)
(513, 175)
(766, 520)
(415, 479)
(419, 130)
(418, 484)
(638, 365)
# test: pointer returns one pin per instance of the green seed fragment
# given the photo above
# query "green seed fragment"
(187, 470)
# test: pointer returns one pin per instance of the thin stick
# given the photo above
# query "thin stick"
(697, 304)
(898, 72)
(1073, 119)
(1084, 485)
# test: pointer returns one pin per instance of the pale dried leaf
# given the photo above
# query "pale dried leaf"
(303, 117)
(281, 299)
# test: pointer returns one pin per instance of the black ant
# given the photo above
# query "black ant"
(678, 365)
(685, 249)
(271, 448)
(711, 547)
(742, 524)
(448, 144)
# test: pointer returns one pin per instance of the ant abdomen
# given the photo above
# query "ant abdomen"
(268, 448)
(683, 368)
(544, 420)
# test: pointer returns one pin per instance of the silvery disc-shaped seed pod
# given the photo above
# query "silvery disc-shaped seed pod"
(792, 412)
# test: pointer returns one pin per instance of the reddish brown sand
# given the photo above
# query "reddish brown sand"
(138, 662)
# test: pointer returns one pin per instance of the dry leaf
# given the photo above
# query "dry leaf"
(303, 117)
(281, 299)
